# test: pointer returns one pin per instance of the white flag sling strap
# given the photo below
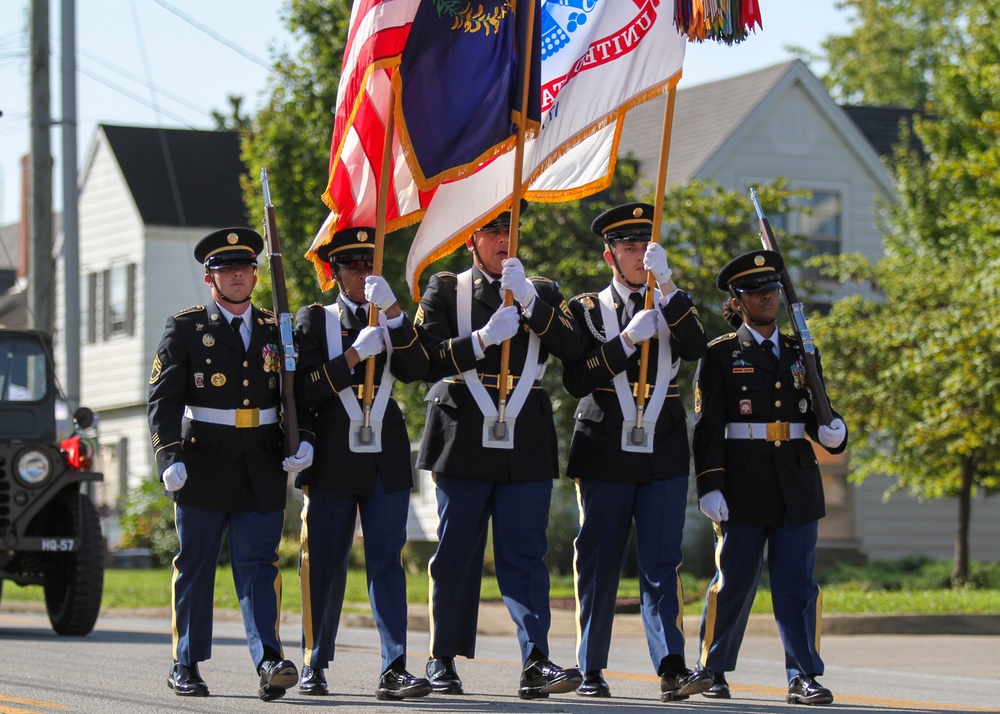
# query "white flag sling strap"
(529, 372)
(664, 375)
(348, 397)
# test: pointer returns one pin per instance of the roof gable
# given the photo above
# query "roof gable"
(181, 177)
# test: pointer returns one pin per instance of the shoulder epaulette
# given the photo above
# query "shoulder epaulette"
(722, 338)
(445, 274)
(542, 279)
(586, 296)
(194, 308)
(266, 311)
(317, 304)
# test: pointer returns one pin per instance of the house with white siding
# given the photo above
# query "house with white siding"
(147, 196)
(781, 122)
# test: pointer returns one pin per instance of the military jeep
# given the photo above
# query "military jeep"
(50, 534)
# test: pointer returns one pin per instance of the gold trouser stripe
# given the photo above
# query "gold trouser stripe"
(819, 619)
(712, 596)
(174, 572)
(304, 587)
(576, 574)
(430, 589)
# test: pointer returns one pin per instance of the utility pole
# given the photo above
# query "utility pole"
(41, 292)
(71, 225)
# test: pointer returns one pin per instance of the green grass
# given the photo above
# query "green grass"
(130, 589)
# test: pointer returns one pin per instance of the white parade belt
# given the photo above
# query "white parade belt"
(770, 431)
(240, 418)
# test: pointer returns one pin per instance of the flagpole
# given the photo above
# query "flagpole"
(381, 208)
(661, 187)
(500, 427)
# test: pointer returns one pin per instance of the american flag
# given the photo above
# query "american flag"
(375, 42)
(435, 59)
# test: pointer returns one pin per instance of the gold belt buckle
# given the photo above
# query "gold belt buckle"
(510, 382)
(247, 418)
(649, 389)
(778, 431)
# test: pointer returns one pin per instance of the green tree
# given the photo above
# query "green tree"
(926, 351)
(894, 50)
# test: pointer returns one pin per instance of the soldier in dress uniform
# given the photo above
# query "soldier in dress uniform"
(758, 479)
(483, 472)
(372, 476)
(618, 481)
(216, 432)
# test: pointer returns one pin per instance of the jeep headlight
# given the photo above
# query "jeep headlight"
(33, 467)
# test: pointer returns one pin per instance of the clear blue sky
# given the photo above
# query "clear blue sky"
(171, 62)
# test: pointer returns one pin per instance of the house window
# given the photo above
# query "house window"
(822, 225)
(110, 308)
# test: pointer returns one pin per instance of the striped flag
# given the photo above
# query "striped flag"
(599, 59)
(454, 70)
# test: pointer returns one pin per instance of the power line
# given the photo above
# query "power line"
(213, 34)
(134, 97)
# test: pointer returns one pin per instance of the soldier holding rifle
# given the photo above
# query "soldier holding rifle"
(482, 472)
(758, 478)
(214, 422)
(353, 475)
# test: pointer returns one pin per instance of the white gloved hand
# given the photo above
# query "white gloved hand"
(502, 326)
(301, 461)
(378, 292)
(512, 278)
(655, 261)
(713, 504)
(641, 327)
(174, 476)
(369, 342)
(833, 436)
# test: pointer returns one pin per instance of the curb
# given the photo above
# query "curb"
(495, 620)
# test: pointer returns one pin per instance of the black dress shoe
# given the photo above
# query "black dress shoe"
(400, 684)
(593, 685)
(276, 677)
(186, 681)
(719, 688)
(313, 682)
(542, 678)
(682, 683)
(804, 689)
(443, 676)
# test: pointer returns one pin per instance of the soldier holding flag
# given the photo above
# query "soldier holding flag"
(481, 473)
(351, 476)
(619, 482)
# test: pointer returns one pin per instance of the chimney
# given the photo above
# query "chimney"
(22, 264)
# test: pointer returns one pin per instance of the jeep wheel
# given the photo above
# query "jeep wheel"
(75, 581)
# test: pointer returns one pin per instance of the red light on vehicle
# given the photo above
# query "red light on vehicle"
(77, 453)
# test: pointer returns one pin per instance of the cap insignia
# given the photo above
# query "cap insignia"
(637, 212)
(362, 236)
(759, 260)
(232, 239)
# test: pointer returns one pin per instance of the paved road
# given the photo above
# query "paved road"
(121, 667)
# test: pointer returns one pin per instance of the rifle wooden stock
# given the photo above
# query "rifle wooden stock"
(289, 417)
(796, 313)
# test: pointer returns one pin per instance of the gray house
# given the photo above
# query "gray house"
(781, 122)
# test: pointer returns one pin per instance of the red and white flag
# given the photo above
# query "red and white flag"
(375, 42)
(599, 59)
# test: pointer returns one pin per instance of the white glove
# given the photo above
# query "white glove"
(512, 278)
(174, 476)
(655, 261)
(641, 327)
(378, 292)
(302, 460)
(833, 436)
(713, 504)
(502, 326)
(369, 342)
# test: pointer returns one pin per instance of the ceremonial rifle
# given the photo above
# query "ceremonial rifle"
(289, 418)
(797, 314)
